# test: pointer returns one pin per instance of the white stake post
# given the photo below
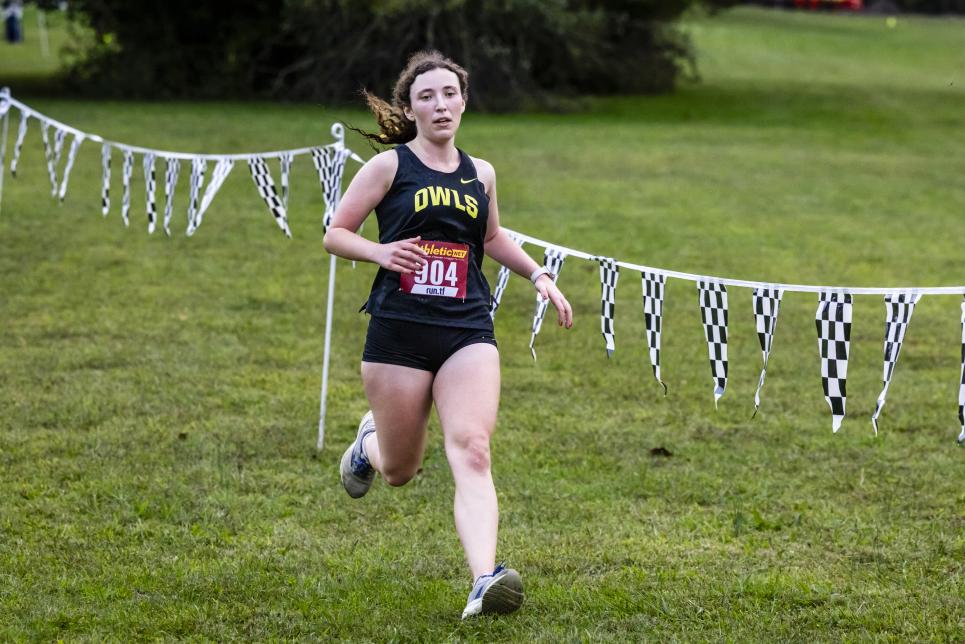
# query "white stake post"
(338, 132)
(328, 350)
(42, 30)
(4, 97)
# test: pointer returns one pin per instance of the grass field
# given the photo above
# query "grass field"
(159, 397)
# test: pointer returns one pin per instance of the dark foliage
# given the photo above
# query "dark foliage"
(520, 53)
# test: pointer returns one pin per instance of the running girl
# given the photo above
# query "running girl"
(430, 337)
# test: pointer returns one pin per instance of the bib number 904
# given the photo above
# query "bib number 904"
(444, 273)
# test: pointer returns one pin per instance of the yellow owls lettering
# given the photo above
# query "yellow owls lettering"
(442, 196)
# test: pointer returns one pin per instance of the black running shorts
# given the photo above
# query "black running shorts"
(417, 345)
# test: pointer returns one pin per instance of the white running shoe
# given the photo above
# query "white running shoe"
(500, 592)
(356, 471)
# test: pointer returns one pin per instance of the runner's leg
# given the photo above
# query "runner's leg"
(400, 398)
(466, 393)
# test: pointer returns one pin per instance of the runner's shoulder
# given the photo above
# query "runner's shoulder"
(381, 168)
(485, 171)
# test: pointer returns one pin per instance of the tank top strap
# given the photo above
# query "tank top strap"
(466, 165)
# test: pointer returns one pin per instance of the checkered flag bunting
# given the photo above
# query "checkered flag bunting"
(330, 163)
(899, 309)
(18, 144)
(502, 279)
(171, 170)
(553, 260)
(71, 157)
(767, 302)
(653, 290)
(833, 321)
(126, 172)
(198, 167)
(286, 168)
(106, 179)
(52, 153)
(150, 190)
(961, 387)
(221, 171)
(266, 188)
(712, 297)
(609, 276)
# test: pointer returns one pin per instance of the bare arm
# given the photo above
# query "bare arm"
(504, 250)
(367, 189)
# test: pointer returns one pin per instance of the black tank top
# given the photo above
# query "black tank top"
(439, 206)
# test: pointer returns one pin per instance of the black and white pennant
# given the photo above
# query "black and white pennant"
(150, 189)
(899, 308)
(198, 167)
(609, 276)
(171, 170)
(105, 179)
(961, 387)
(767, 302)
(221, 171)
(654, 285)
(286, 167)
(18, 144)
(502, 279)
(553, 260)
(712, 297)
(266, 188)
(833, 321)
(330, 163)
(126, 171)
(52, 152)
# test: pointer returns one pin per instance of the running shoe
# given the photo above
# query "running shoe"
(499, 592)
(356, 471)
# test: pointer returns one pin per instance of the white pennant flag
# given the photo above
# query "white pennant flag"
(106, 179)
(71, 157)
(150, 187)
(767, 303)
(126, 171)
(502, 279)
(266, 188)
(833, 321)
(899, 309)
(712, 297)
(18, 144)
(198, 167)
(609, 275)
(50, 155)
(553, 260)
(171, 171)
(653, 290)
(221, 170)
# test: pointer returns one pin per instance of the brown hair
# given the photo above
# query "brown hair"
(394, 127)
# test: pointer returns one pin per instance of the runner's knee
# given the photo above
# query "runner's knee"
(472, 451)
(398, 476)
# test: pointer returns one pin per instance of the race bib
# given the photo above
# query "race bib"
(444, 274)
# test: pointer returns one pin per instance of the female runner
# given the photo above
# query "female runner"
(430, 337)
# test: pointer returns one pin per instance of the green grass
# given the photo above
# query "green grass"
(158, 397)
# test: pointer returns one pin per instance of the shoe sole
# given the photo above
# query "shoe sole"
(505, 595)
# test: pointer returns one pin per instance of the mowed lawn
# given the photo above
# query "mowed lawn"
(159, 396)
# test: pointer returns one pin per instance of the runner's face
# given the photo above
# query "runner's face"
(436, 104)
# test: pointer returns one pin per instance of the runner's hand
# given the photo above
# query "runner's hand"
(548, 290)
(403, 256)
